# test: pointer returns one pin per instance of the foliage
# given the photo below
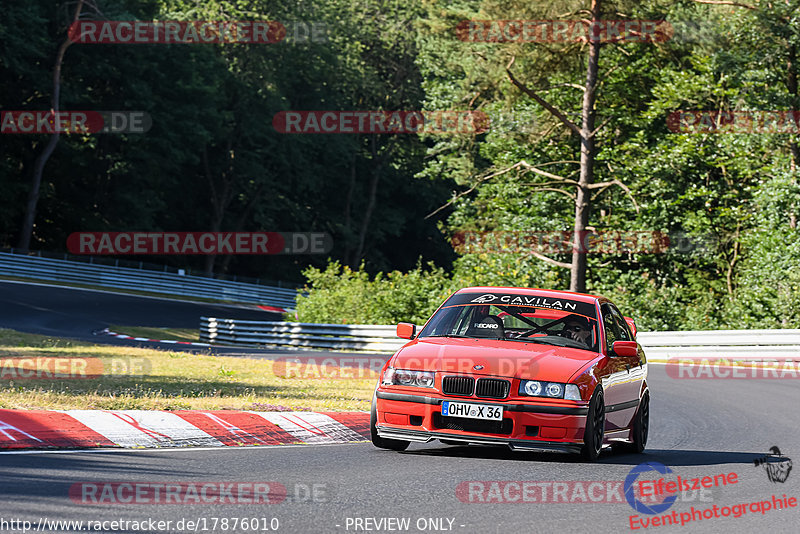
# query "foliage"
(341, 295)
(212, 160)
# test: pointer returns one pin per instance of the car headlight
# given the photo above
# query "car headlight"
(405, 377)
(425, 380)
(553, 390)
(532, 388)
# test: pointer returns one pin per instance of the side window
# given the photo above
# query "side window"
(612, 328)
(620, 320)
(443, 322)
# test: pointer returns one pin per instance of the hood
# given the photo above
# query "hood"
(511, 359)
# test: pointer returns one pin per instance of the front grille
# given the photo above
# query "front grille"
(473, 425)
(458, 385)
(492, 388)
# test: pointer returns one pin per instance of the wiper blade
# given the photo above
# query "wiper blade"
(540, 340)
(450, 335)
(567, 343)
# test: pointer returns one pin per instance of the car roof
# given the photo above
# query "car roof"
(552, 293)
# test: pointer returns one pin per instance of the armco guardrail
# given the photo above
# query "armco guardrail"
(49, 269)
(739, 344)
(368, 338)
(735, 344)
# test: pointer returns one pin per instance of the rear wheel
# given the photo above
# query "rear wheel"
(595, 427)
(383, 443)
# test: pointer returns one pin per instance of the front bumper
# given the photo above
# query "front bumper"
(525, 426)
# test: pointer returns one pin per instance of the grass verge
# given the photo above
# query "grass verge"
(145, 379)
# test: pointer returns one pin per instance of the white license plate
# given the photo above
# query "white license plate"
(472, 411)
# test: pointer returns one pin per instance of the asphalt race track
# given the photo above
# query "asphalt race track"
(698, 428)
(72, 312)
(78, 313)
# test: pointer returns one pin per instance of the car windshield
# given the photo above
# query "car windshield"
(516, 318)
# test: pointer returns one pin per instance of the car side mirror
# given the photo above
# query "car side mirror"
(406, 330)
(625, 348)
(632, 325)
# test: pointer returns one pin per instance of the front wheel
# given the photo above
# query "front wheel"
(383, 443)
(641, 424)
(595, 427)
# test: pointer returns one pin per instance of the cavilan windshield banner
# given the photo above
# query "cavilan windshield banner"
(530, 301)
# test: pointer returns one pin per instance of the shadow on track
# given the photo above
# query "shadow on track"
(671, 457)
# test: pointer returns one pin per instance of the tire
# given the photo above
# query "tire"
(641, 425)
(383, 443)
(595, 427)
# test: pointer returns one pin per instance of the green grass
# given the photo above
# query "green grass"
(165, 381)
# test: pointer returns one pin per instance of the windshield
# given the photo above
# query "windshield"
(516, 318)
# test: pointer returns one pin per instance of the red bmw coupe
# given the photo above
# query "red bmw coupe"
(527, 368)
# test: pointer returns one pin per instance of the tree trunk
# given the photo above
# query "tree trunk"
(380, 161)
(373, 192)
(26, 232)
(577, 280)
(347, 208)
(208, 265)
(220, 199)
(791, 85)
(240, 222)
